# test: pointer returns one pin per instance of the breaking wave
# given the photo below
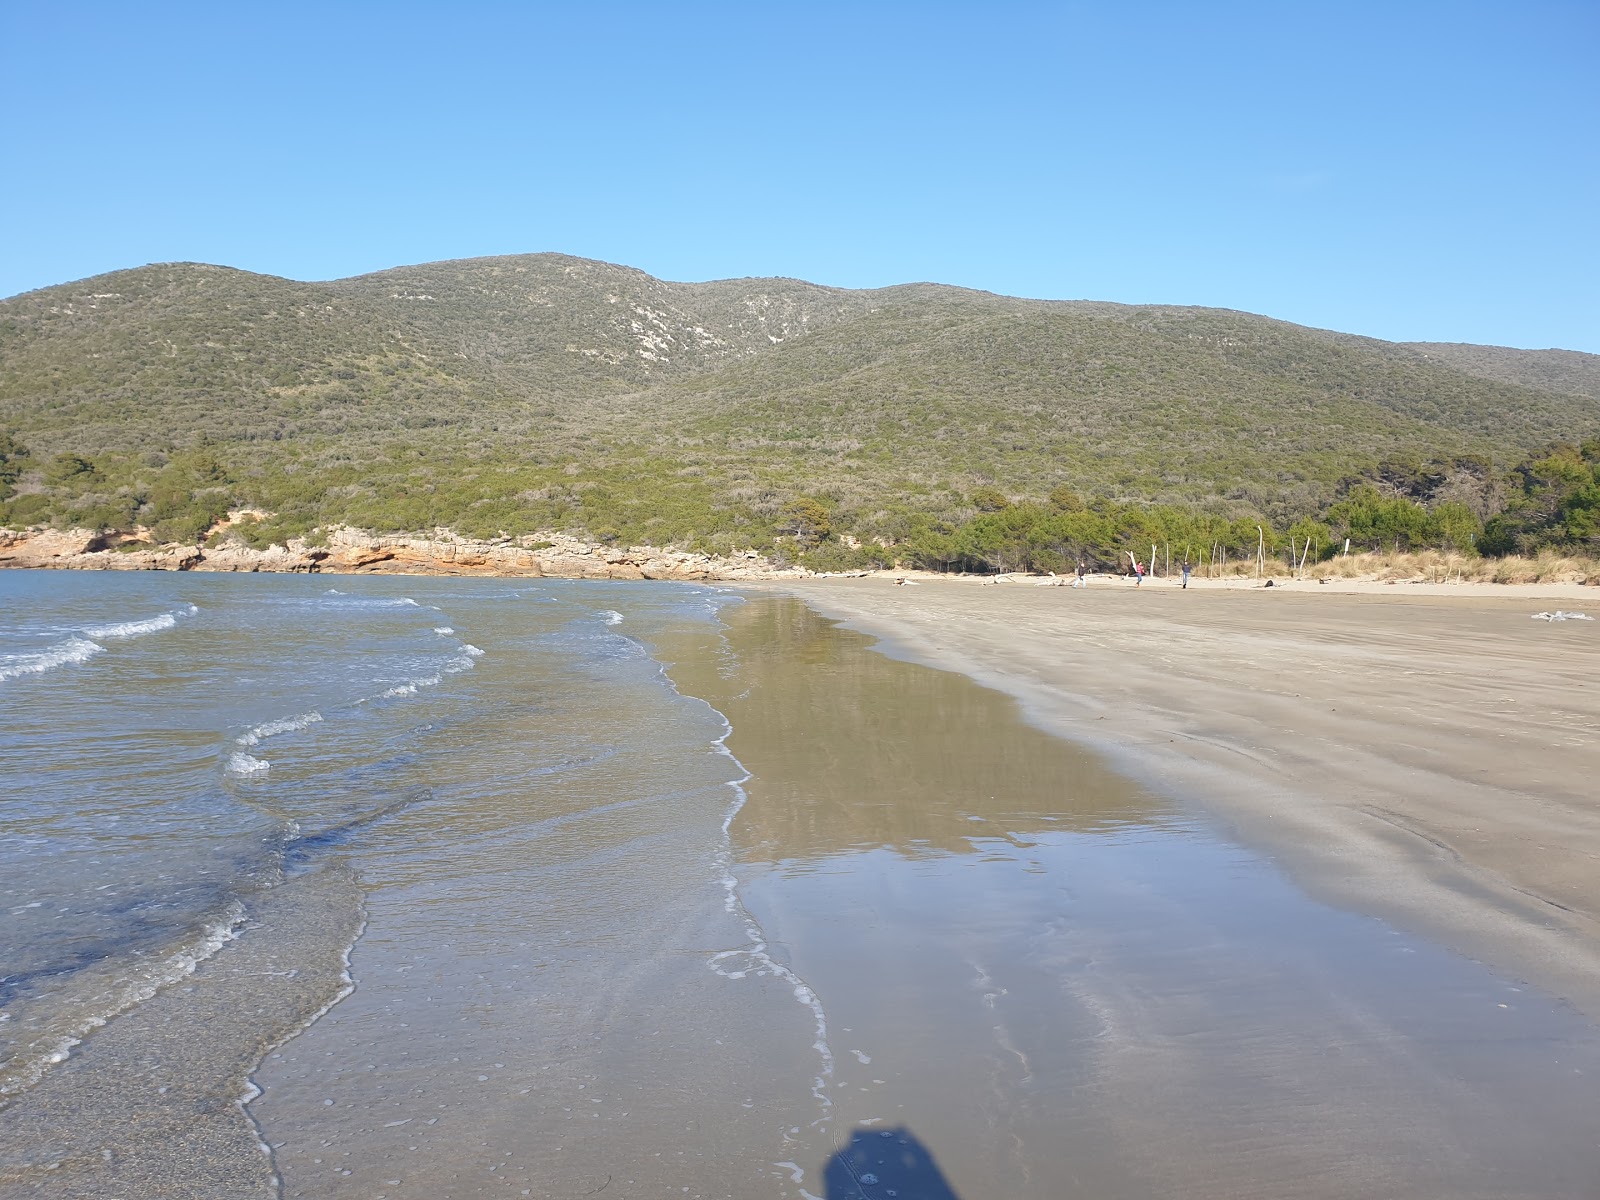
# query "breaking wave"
(243, 766)
(131, 629)
(253, 736)
(37, 662)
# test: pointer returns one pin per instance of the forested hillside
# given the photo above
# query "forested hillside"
(542, 391)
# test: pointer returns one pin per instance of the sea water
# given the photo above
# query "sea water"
(200, 775)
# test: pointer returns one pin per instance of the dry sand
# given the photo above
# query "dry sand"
(1425, 754)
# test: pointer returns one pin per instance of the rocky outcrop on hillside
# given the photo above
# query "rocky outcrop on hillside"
(355, 552)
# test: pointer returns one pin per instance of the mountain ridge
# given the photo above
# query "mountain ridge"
(543, 388)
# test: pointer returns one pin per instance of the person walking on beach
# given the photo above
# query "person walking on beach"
(1138, 570)
(1186, 574)
(1082, 571)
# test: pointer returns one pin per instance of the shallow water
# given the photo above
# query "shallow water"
(589, 955)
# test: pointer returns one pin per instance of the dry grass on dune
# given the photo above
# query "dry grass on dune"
(1435, 566)
(1426, 566)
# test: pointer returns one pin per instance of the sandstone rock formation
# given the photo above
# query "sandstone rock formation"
(353, 551)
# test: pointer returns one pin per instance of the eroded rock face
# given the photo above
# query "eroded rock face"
(47, 547)
(353, 551)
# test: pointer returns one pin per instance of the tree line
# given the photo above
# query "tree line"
(1551, 501)
(1548, 502)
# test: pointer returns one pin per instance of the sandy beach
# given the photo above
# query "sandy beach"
(1429, 754)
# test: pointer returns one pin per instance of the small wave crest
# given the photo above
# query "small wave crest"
(132, 629)
(254, 735)
(73, 650)
(612, 616)
(464, 661)
(346, 600)
(55, 1046)
(443, 630)
(243, 766)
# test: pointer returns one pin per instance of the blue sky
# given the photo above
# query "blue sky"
(1412, 171)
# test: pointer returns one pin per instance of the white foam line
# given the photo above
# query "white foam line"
(758, 961)
(756, 952)
(73, 650)
(612, 616)
(182, 963)
(347, 985)
(254, 736)
(130, 629)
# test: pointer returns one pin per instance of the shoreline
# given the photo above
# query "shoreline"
(347, 551)
(1426, 757)
(553, 555)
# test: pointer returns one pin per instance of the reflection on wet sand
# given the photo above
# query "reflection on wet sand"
(855, 751)
(1070, 987)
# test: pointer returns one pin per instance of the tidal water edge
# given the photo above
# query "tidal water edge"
(455, 888)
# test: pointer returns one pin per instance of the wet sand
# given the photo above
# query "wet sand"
(1057, 981)
(1434, 760)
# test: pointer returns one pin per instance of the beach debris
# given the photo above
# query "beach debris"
(1559, 615)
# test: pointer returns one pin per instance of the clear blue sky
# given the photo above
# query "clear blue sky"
(1423, 171)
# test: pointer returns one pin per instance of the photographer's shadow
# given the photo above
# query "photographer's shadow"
(877, 1164)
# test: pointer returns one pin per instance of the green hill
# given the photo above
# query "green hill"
(545, 391)
(1565, 372)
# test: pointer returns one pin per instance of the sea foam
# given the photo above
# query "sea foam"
(254, 735)
(754, 958)
(242, 765)
(132, 629)
(73, 650)
(25, 1070)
